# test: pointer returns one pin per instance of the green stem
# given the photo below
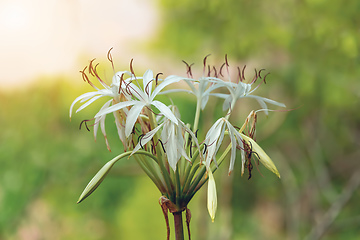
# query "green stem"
(178, 187)
(190, 177)
(179, 229)
(151, 173)
(200, 183)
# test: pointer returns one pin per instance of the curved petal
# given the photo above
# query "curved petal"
(88, 103)
(147, 81)
(267, 100)
(146, 138)
(132, 117)
(96, 125)
(117, 76)
(165, 111)
(169, 80)
(87, 95)
(115, 107)
(232, 132)
(175, 90)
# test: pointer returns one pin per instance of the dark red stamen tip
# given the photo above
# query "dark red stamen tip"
(220, 72)
(215, 72)
(131, 68)
(243, 73)
(226, 61)
(204, 61)
(84, 122)
(239, 73)
(157, 78)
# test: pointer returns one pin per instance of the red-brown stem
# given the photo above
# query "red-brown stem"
(179, 230)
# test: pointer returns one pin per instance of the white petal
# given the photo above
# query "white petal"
(115, 107)
(267, 100)
(146, 138)
(120, 129)
(227, 102)
(169, 80)
(212, 138)
(175, 90)
(165, 111)
(232, 131)
(88, 103)
(96, 125)
(87, 95)
(204, 101)
(132, 117)
(137, 92)
(147, 81)
(117, 76)
(171, 150)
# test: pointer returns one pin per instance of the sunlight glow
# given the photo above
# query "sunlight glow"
(14, 16)
(42, 38)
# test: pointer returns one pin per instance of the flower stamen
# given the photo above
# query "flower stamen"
(243, 73)
(157, 78)
(131, 68)
(109, 57)
(221, 69)
(188, 70)
(85, 123)
(204, 61)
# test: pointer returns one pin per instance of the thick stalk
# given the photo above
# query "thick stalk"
(179, 229)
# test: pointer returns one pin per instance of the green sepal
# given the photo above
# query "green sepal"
(101, 174)
(99, 177)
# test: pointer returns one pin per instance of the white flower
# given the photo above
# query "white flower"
(215, 137)
(173, 140)
(108, 91)
(142, 98)
(242, 90)
(201, 88)
(112, 91)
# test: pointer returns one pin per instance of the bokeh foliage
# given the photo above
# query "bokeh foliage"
(312, 50)
(46, 162)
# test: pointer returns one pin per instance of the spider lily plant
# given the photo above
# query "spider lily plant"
(171, 153)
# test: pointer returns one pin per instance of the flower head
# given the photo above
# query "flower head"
(244, 90)
(141, 97)
(155, 136)
(128, 99)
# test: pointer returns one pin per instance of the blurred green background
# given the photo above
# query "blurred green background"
(311, 49)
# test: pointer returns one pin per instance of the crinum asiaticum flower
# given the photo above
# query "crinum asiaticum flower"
(171, 152)
(141, 98)
(128, 100)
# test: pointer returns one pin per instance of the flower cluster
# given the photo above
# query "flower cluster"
(172, 153)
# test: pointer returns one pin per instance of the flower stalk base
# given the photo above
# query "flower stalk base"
(179, 229)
